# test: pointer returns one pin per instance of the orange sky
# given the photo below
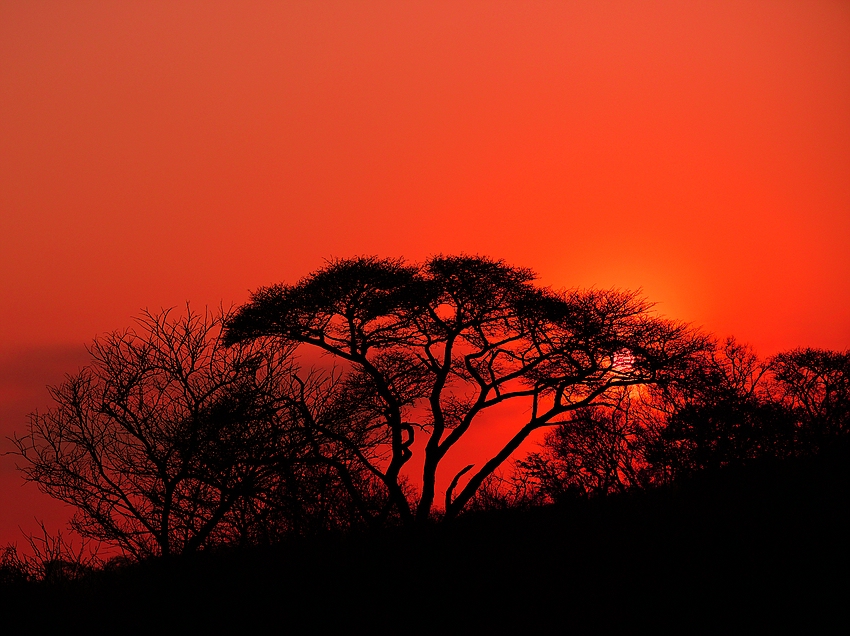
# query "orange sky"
(158, 152)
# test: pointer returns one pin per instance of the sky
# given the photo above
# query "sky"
(154, 153)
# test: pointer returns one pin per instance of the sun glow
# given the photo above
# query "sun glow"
(622, 361)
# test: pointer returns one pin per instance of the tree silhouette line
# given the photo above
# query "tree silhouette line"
(199, 430)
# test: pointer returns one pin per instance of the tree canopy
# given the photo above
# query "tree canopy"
(202, 429)
(428, 348)
(163, 438)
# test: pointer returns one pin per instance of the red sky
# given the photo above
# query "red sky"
(154, 153)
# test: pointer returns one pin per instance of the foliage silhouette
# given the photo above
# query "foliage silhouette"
(430, 348)
(201, 430)
(730, 409)
(51, 559)
(161, 440)
(600, 450)
(175, 440)
(815, 385)
(721, 415)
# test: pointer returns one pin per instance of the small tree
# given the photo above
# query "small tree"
(600, 450)
(431, 348)
(815, 385)
(159, 443)
(722, 413)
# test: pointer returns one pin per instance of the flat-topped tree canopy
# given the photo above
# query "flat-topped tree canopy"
(353, 304)
(436, 344)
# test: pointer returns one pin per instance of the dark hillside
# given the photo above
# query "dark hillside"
(767, 544)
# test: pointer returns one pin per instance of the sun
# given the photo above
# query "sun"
(622, 361)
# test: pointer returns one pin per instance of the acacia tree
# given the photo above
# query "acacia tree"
(161, 440)
(430, 348)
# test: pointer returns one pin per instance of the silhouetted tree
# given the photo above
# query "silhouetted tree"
(328, 485)
(600, 450)
(430, 348)
(720, 414)
(161, 440)
(52, 558)
(815, 385)
(728, 408)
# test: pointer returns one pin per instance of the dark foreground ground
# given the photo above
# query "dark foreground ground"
(764, 547)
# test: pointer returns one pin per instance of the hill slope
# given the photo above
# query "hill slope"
(762, 545)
